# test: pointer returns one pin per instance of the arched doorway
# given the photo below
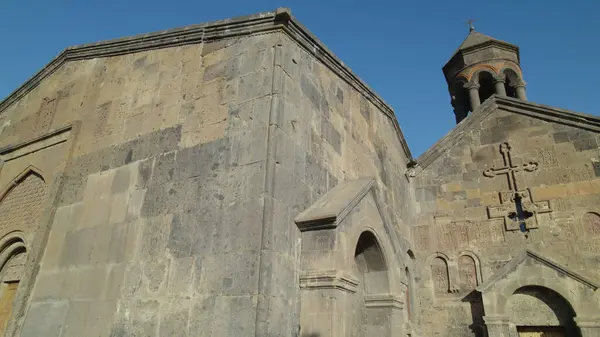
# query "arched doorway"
(537, 311)
(372, 272)
(13, 256)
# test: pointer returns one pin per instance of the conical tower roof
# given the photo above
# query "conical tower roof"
(476, 38)
(474, 42)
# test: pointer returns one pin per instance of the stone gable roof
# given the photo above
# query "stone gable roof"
(331, 209)
(529, 254)
(277, 20)
(539, 111)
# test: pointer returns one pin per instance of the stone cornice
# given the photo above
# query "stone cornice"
(527, 108)
(588, 322)
(278, 20)
(333, 207)
(383, 301)
(496, 320)
(328, 279)
(39, 143)
(494, 43)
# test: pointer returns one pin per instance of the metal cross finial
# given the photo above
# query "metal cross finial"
(470, 22)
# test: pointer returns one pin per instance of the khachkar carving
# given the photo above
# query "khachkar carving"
(590, 224)
(516, 206)
(439, 274)
(467, 271)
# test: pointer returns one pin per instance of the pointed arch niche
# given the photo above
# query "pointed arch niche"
(22, 202)
(21, 207)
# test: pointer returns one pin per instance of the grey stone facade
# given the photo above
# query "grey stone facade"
(234, 178)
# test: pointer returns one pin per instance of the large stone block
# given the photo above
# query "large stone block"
(229, 273)
(180, 276)
(45, 319)
(155, 234)
(175, 317)
(223, 315)
(203, 160)
(76, 319)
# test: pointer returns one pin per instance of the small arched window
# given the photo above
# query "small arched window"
(486, 85)
(511, 79)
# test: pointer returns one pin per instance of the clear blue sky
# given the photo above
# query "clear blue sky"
(396, 47)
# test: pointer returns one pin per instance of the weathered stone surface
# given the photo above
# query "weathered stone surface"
(231, 183)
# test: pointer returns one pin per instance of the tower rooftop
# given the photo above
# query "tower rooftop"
(475, 39)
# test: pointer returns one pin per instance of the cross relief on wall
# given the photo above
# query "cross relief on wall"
(517, 208)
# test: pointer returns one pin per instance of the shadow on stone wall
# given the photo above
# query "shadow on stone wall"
(477, 325)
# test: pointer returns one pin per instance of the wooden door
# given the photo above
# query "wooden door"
(541, 331)
(6, 303)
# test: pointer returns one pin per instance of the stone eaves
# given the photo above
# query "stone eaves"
(278, 20)
(539, 111)
(526, 254)
(331, 209)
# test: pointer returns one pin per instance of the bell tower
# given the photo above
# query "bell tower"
(482, 66)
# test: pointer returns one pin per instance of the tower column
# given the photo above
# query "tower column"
(520, 91)
(474, 96)
(499, 87)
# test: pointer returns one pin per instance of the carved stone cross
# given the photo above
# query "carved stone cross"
(509, 169)
(516, 205)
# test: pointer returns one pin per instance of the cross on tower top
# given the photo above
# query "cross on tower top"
(470, 23)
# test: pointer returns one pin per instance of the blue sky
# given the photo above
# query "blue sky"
(396, 47)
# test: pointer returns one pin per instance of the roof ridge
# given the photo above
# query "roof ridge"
(280, 19)
(513, 105)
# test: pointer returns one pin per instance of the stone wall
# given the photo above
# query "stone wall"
(172, 147)
(464, 235)
(174, 201)
(330, 130)
(339, 132)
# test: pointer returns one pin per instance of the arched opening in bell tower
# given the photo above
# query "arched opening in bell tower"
(486, 85)
(510, 82)
(460, 99)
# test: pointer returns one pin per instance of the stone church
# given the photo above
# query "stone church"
(235, 178)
